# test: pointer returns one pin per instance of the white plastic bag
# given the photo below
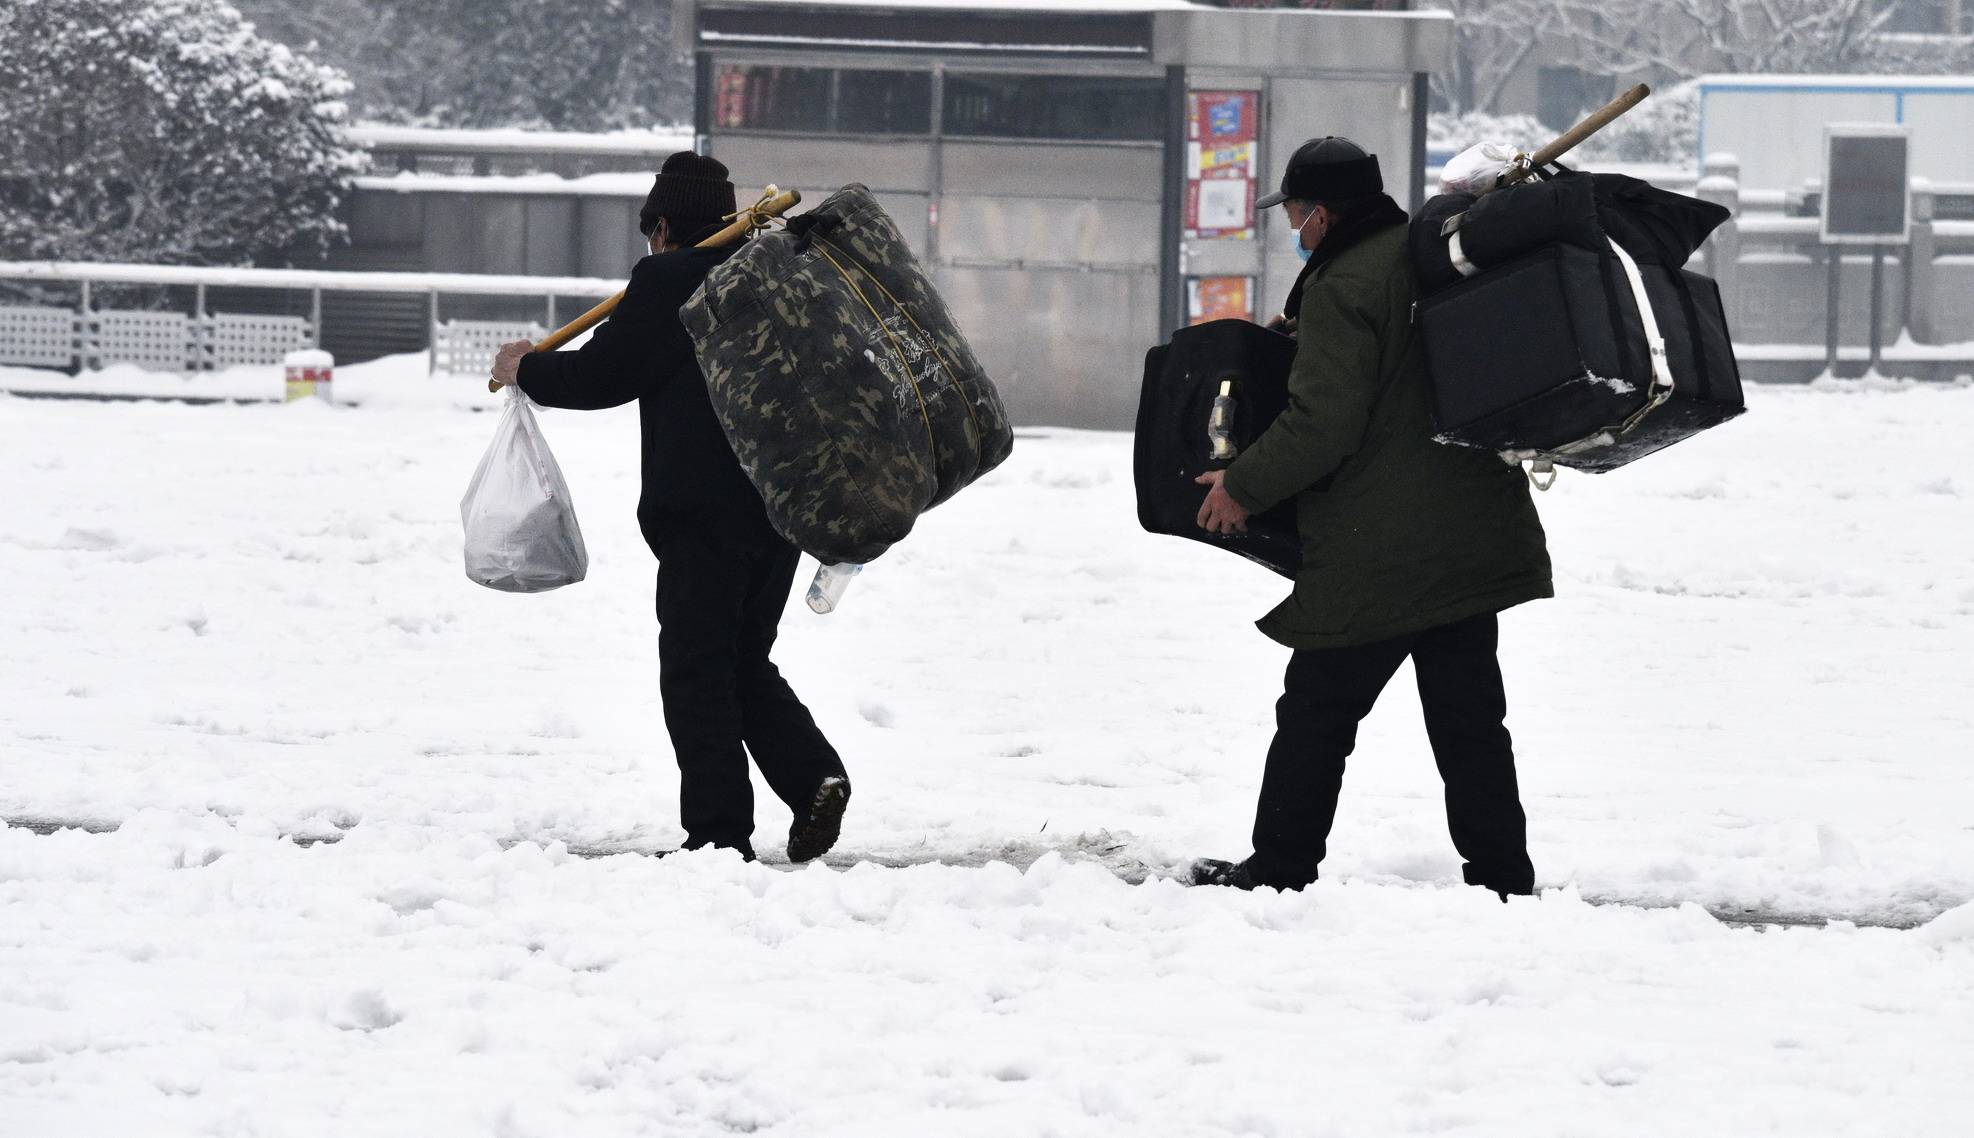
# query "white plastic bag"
(1476, 169)
(521, 531)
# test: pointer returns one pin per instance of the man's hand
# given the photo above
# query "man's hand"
(507, 361)
(1220, 513)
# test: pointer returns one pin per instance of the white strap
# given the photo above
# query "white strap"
(1654, 340)
(1465, 267)
(1542, 469)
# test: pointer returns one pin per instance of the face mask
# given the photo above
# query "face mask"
(1301, 252)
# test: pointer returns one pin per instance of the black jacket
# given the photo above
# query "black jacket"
(692, 482)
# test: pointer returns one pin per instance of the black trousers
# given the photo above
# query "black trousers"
(1327, 692)
(719, 609)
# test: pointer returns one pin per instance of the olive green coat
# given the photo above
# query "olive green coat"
(1409, 533)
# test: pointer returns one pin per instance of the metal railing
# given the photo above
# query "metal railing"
(85, 335)
(1769, 260)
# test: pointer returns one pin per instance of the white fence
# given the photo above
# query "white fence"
(90, 337)
(39, 336)
(467, 347)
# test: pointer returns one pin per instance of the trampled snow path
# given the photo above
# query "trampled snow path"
(225, 624)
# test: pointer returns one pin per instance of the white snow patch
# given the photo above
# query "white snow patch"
(1955, 926)
(1620, 386)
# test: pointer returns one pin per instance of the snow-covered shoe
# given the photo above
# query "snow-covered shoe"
(1213, 871)
(810, 837)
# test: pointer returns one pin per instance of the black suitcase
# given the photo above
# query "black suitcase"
(1655, 226)
(1548, 354)
(1172, 446)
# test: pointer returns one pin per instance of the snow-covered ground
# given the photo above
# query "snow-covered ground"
(230, 626)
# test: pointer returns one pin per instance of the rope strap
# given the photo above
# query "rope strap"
(904, 361)
(756, 220)
(931, 343)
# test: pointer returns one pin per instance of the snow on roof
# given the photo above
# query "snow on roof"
(1842, 82)
(930, 45)
(664, 140)
(1086, 6)
(625, 185)
(1081, 7)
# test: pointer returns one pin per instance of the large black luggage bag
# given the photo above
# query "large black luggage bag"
(1173, 447)
(1547, 355)
(1537, 333)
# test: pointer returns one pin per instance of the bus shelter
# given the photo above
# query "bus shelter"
(1078, 177)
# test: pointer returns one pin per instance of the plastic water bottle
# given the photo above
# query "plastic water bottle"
(1220, 426)
(827, 589)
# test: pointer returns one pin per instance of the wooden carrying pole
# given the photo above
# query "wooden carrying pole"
(1569, 139)
(774, 202)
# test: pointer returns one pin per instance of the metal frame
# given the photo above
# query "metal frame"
(1831, 133)
(1171, 276)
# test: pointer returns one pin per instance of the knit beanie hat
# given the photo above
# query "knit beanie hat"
(692, 190)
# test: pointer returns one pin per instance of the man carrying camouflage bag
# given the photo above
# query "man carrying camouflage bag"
(724, 574)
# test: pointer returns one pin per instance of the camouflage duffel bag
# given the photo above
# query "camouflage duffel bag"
(843, 384)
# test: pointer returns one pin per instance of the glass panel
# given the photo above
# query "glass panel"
(822, 100)
(883, 102)
(1055, 106)
(771, 98)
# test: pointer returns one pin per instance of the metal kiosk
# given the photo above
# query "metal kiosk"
(1080, 179)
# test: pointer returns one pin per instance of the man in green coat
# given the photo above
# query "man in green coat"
(1409, 547)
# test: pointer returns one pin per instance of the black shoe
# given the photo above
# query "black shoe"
(811, 837)
(1513, 883)
(745, 851)
(1212, 871)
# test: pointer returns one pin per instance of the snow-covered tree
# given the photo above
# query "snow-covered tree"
(163, 131)
(1665, 129)
(403, 57)
(601, 64)
(1680, 38)
(595, 65)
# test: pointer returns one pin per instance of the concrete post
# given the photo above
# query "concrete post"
(86, 331)
(1920, 257)
(1721, 184)
(202, 354)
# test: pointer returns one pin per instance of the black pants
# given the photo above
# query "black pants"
(1327, 692)
(719, 608)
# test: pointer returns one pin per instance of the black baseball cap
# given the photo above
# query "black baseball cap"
(1330, 168)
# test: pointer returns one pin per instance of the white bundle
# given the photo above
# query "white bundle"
(1476, 169)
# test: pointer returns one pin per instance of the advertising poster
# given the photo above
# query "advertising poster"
(1221, 130)
(1219, 298)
